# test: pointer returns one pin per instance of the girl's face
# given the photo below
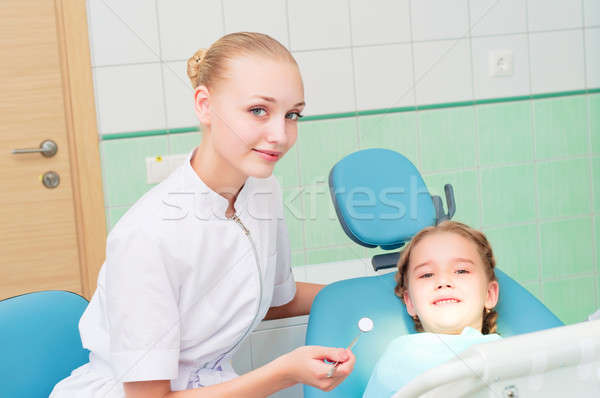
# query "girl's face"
(252, 114)
(447, 284)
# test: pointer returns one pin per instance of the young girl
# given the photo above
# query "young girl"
(195, 264)
(446, 279)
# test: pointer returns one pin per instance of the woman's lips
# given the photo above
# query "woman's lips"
(272, 156)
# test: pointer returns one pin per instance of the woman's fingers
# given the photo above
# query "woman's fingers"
(308, 366)
(331, 354)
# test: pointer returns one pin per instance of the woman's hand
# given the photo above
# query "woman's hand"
(305, 365)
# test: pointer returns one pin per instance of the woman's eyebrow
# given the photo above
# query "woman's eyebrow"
(273, 100)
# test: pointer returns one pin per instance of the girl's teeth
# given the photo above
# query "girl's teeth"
(447, 301)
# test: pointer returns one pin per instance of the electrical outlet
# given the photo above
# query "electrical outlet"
(501, 63)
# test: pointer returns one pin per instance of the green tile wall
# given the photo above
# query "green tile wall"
(525, 172)
(447, 139)
(595, 122)
(500, 126)
(561, 127)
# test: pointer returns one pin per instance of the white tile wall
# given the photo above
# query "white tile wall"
(505, 86)
(353, 54)
(439, 19)
(325, 72)
(380, 21)
(129, 98)
(327, 28)
(554, 14)
(264, 16)
(179, 95)
(556, 61)
(332, 272)
(188, 25)
(592, 57)
(384, 77)
(123, 32)
(591, 12)
(492, 17)
(443, 71)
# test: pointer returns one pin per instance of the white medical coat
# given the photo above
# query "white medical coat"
(179, 289)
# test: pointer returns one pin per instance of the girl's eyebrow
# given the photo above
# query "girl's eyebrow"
(421, 265)
(271, 99)
(456, 259)
(463, 260)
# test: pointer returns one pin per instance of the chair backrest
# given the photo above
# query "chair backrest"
(39, 342)
(338, 307)
(380, 198)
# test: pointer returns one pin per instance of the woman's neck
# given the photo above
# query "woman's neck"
(216, 172)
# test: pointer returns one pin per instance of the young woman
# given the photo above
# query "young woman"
(195, 264)
(446, 279)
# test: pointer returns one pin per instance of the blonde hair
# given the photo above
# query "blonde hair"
(206, 67)
(483, 248)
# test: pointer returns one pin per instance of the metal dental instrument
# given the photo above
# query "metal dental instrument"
(364, 325)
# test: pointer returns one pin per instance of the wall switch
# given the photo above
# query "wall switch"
(501, 63)
(159, 167)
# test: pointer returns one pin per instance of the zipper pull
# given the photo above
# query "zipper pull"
(237, 219)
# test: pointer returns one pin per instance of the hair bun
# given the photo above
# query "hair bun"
(193, 66)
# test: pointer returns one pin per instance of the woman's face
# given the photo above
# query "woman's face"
(253, 113)
(447, 284)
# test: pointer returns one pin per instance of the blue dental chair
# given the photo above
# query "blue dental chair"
(39, 342)
(381, 200)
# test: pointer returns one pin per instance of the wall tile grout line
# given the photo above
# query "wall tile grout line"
(391, 43)
(298, 163)
(414, 86)
(354, 75)
(162, 77)
(476, 120)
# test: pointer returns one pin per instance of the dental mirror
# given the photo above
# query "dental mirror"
(364, 325)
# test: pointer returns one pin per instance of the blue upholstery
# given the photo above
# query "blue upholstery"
(338, 307)
(380, 198)
(39, 342)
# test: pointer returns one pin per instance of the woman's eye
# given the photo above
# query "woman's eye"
(294, 115)
(462, 271)
(258, 111)
(427, 275)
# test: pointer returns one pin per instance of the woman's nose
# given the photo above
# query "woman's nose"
(276, 131)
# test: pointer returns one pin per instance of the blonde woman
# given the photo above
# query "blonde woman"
(195, 264)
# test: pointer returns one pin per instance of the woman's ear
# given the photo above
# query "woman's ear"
(201, 105)
(492, 295)
(410, 308)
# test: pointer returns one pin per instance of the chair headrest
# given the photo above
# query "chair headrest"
(380, 198)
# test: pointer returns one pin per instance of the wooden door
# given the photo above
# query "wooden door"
(50, 238)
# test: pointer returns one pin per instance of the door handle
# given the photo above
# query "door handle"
(48, 148)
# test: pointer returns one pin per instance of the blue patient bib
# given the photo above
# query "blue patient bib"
(408, 356)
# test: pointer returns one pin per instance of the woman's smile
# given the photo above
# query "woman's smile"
(271, 156)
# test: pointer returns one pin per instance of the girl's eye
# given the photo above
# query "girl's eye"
(258, 111)
(427, 275)
(462, 271)
(294, 115)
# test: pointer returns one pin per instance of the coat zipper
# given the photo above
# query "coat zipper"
(260, 286)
